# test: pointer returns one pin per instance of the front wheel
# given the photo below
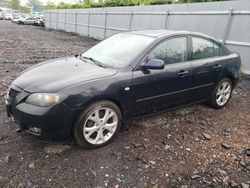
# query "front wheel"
(222, 93)
(98, 125)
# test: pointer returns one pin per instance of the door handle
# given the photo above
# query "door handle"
(182, 73)
(217, 66)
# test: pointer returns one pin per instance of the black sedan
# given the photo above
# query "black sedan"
(90, 96)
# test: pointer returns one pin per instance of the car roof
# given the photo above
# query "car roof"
(152, 33)
(164, 33)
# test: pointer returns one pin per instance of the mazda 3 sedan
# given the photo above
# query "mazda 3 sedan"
(90, 96)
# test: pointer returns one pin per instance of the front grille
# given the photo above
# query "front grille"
(13, 93)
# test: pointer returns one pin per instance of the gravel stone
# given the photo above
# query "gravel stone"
(226, 146)
(7, 159)
(233, 183)
(32, 166)
(194, 177)
(242, 163)
(2, 180)
(207, 136)
(247, 152)
(222, 172)
(56, 149)
(244, 185)
(136, 145)
(196, 139)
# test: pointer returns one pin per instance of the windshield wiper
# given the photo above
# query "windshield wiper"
(80, 57)
(94, 61)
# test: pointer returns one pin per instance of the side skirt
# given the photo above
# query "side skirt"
(167, 110)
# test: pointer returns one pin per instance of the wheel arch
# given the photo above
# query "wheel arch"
(233, 80)
(116, 102)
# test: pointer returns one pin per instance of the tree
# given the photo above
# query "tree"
(50, 5)
(14, 4)
(113, 3)
(196, 1)
(84, 1)
(34, 3)
(63, 5)
(24, 9)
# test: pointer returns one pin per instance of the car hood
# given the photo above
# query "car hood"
(54, 75)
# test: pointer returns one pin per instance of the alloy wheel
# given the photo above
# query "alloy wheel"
(223, 93)
(100, 126)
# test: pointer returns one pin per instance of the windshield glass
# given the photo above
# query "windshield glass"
(119, 50)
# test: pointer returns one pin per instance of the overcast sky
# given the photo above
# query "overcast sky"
(23, 2)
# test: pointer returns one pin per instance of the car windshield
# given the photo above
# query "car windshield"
(119, 50)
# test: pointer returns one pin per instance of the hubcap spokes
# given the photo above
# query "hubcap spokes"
(100, 126)
(223, 93)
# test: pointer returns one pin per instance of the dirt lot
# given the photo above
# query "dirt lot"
(176, 149)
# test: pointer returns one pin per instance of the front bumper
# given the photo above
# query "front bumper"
(46, 123)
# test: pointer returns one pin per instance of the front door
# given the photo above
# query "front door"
(159, 90)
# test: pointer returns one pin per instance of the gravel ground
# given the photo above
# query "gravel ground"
(192, 147)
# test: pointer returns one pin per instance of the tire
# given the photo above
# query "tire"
(98, 125)
(221, 96)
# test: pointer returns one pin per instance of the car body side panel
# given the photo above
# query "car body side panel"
(164, 89)
(206, 74)
(232, 64)
(110, 88)
(141, 88)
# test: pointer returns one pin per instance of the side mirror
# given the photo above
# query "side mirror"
(154, 64)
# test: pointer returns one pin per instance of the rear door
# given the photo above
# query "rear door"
(207, 65)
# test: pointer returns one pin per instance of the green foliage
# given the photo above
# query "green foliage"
(159, 2)
(196, 1)
(51, 5)
(96, 5)
(24, 9)
(114, 3)
(63, 5)
(33, 3)
(14, 4)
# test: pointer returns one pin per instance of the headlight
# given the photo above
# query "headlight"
(45, 99)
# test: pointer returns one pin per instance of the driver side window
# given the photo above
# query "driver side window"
(171, 51)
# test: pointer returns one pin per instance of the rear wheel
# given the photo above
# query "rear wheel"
(222, 93)
(98, 125)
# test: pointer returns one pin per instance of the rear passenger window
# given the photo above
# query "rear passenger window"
(204, 49)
